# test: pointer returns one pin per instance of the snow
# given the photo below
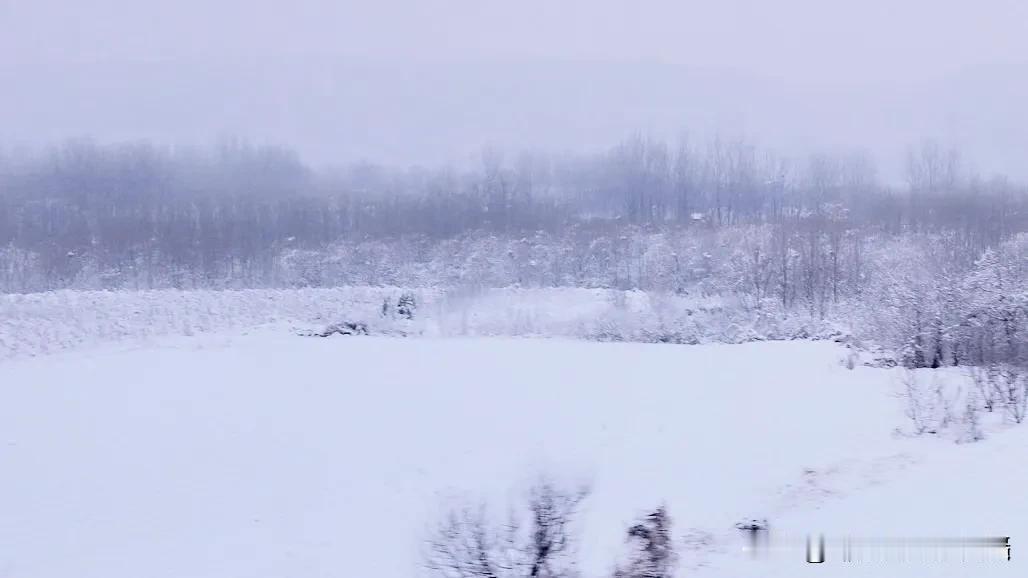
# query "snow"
(45, 323)
(264, 454)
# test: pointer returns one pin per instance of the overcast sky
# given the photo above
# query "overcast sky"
(870, 39)
(793, 52)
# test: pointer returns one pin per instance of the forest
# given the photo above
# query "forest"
(935, 266)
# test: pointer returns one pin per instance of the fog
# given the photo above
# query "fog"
(196, 196)
(403, 82)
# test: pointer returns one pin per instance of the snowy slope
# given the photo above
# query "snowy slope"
(951, 491)
(270, 455)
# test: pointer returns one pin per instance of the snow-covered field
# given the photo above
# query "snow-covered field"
(269, 455)
(43, 323)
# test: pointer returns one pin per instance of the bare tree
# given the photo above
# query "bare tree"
(467, 545)
(931, 168)
(553, 510)
(464, 546)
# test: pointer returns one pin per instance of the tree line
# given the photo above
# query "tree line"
(227, 213)
(935, 266)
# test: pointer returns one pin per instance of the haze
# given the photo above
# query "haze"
(520, 289)
(401, 82)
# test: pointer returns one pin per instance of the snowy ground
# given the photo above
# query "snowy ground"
(44, 323)
(272, 455)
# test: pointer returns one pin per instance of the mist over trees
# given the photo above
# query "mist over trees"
(935, 267)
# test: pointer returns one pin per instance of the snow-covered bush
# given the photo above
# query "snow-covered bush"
(653, 550)
(406, 305)
(966, 404)
(929, 405)
(1010, 386)
(972, 420)
(344, 328)
(981, 385)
